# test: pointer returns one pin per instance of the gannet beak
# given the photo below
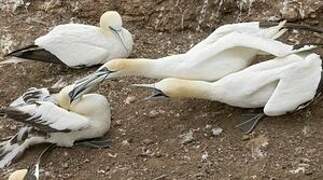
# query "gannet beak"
(88, 83)
(156, 93)
(120, 35)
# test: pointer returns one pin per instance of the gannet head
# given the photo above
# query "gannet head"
(63, 98)
(18, 174)
(170, 87)
(111, 19)
(112, 69)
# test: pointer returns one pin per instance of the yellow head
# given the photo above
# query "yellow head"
(111, 19)
(172, 87)
(63, 99)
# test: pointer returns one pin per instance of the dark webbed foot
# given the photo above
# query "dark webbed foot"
(249, 122)
(97, 143)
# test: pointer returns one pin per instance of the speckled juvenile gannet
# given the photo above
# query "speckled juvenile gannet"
(280, 85)
(79, 45)
(229, 49)
(60, 122)
(32, 173)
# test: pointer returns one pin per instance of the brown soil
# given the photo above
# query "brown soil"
(146, 135)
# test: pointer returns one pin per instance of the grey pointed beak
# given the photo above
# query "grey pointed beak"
(88, 83)
(119, 33)
(156, 93)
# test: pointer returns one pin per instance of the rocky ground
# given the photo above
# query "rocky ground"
(167, 139)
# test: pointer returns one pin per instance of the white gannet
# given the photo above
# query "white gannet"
(79, 45)
(280, 85)
(59, 122)
(32, 173)
(209, 62)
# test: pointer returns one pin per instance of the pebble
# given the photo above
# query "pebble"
(130, 99)
(217, 131)
(205, 155)
(153, 113)
(125, 142)
(187, 137)
(147, 141)
(245, 137)
(65, 165)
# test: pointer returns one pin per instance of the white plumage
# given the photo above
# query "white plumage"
(78, 45)
(227, 50)
(57, 121)
(280, 85)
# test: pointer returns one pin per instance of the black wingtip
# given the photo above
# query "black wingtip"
(36, 53)
(266, 24)
(19, 51)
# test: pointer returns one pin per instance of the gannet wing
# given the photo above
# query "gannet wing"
(32, 95)
(252, 28)
(235, 41)
(77, 45)
(47, 117)
(297, 85)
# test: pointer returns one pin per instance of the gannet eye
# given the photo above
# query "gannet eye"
(105, 70)
(158, 94)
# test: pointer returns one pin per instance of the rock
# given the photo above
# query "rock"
(118, 123)
(12, 127)
(187, 137)
(65, 165)
(245, 137)
(205, 156)
(153, 113)
(217, 131)
(125, 142)
(258, 146)
(130, 99)
(290, 11)
(147, 141)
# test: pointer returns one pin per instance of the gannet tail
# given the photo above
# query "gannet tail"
(12, 148)
(34, 52)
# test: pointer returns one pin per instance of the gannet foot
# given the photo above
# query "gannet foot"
(247, 126)
(97, 143)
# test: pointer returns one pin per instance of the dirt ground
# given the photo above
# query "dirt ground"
(147, 136)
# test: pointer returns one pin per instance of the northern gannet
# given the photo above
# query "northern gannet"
(57, 121)
(79, 45)
(279, 86)
(220, 54)
(32, 173)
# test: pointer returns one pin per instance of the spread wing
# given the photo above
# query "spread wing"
(243, 40)
(76, 44)
(297, 85)
(47, 117)
(251, 28)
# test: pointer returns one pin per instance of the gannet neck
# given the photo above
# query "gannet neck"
(151, 68)
(94, 106)
(187, 89)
